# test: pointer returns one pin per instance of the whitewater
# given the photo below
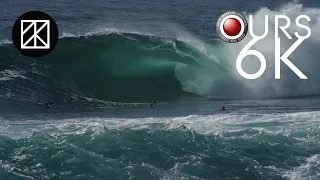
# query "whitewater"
(114, 59)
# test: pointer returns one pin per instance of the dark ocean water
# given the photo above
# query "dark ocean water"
(114, 57)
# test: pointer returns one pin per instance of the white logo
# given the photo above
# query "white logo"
(44, 41)
(246, 52)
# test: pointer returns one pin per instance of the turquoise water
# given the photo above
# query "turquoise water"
(271, 139)
(113, 58)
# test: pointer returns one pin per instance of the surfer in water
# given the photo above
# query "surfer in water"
(48, 105)
(153, 104)
(222, 108)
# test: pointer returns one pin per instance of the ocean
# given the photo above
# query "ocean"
(114, 57)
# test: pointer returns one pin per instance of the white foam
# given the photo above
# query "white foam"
(305, 57)
(8, 74)
(12, 169)
(245, 126)
(218, 124)
(309, 170)
(5, 41)
(208, 80)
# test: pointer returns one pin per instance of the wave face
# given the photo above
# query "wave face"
(121, 67)
(135, 67)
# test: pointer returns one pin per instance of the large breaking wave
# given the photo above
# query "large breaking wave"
(123, 66)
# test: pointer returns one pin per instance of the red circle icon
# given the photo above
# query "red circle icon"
(232, 27)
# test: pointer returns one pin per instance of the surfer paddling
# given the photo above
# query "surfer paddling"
(48, 105)
(222, 108)
(153, 104)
